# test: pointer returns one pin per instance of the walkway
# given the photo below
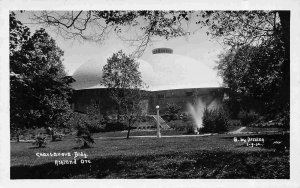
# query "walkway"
(237, 131)
(154, 136)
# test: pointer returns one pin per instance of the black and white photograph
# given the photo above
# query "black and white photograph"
(150, 93)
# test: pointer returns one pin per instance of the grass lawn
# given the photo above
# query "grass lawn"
(187, 157)
(261, 129)
(137, 133)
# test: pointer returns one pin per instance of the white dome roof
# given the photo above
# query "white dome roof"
(162, 71)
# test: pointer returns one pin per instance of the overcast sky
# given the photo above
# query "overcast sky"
(197, 45)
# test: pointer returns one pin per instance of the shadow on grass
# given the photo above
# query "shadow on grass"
(196, 164)
(36, 147)
(82, 147)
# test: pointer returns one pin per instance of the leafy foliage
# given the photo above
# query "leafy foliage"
(248, 117)
(239, 28)
(40, 141)
(215, 120)
(94, 118)
(254, 75)
(256, 68)
(84, 137)
(172, 111)
(145, 23)
(39, 86)
(248, 34)
(179, 125)
(123, 79)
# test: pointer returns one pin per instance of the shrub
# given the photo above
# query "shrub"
(92, 123)
(84, 136)
(232, 122)
(95, 124)
(215, 120)
(248, 117)
(185, 117)
(283, 119)
(208, 121)
(179, 125)
(172, 112)
(40, 141)
(190, 127)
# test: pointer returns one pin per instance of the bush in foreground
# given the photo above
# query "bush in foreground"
(84, 137)
(40, 141)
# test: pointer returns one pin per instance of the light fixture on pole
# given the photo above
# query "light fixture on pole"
(158, 126)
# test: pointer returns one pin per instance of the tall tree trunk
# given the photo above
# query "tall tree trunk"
(53, 138)
(129, 128)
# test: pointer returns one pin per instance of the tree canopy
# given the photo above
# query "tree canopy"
(39, 87)
(253, 73)
(122, 77)
(247, 35)
(97, 25)
(255, 68)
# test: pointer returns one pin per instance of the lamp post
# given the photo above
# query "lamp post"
(158, 126)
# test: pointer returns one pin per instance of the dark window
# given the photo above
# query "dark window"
(160, 96)
(189, 93)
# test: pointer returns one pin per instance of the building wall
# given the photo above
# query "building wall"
(83, 98)
(182, 97)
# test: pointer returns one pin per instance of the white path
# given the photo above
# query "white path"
(237, 131)
(154, 136)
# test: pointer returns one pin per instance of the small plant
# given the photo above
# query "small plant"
(84, 137)
(40, 141)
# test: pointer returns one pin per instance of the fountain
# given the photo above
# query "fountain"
(197, 114)
(197, 111)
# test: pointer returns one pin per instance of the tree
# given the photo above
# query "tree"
(172, 111)
(122, 77)
(245, 33)
(254, 75)
(236, 29)
(239, 28)
(97, 25)
(39, 88)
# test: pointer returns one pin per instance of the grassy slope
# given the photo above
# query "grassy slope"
(190, 157)
(25, 153)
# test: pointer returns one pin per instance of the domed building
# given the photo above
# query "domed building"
(170, 78)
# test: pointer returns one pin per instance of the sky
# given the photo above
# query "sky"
(197, 45)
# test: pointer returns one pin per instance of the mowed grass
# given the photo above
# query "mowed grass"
(176, 157)
(133, 132)
(25, 153)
